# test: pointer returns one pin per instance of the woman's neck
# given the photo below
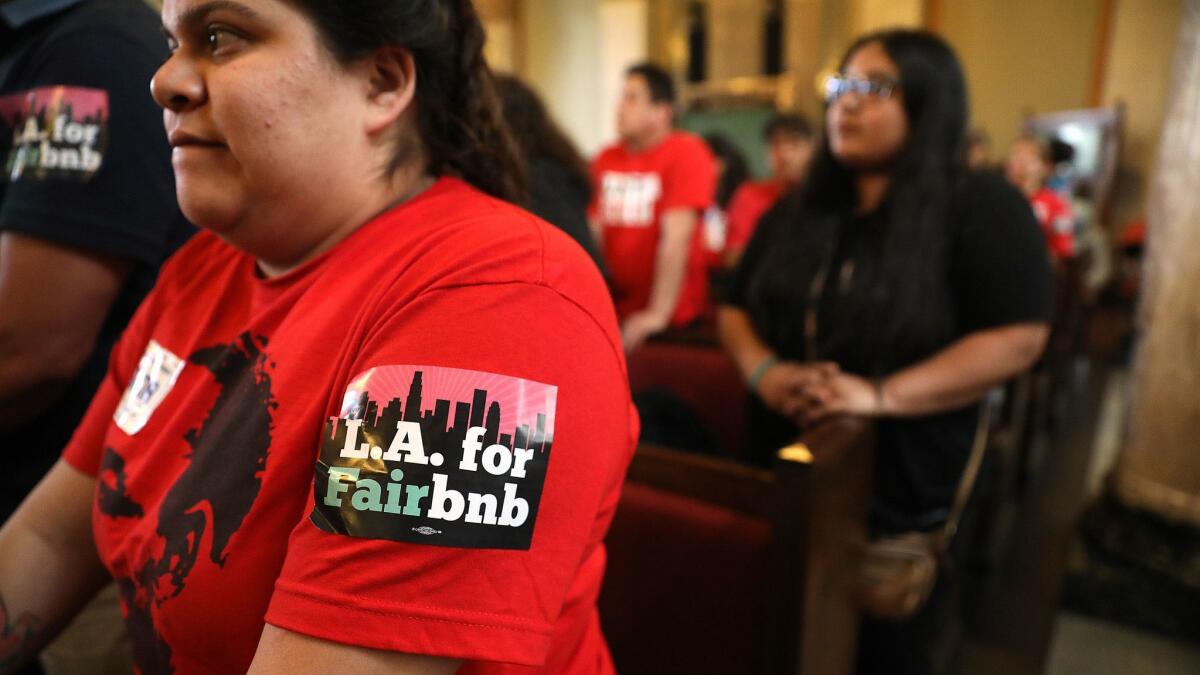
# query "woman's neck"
(871, 189)
(402, 186)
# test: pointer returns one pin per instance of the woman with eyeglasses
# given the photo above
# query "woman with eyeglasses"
(373, 418)
(895, 285)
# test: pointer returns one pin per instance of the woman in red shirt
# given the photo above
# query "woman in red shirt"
(373, 418)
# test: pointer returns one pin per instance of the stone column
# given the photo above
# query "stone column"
(1142, 562)
(561, 59)
(1159, 470)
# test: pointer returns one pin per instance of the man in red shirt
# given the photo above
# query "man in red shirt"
(789, 148)
(650, 189)
(1027, 166)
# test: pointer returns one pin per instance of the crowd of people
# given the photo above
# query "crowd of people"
(373, 414)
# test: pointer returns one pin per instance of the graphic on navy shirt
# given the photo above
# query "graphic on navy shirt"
(223, 477)
(54, 133)
(408, 473)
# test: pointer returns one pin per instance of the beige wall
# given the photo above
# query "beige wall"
(1022, 56)
(623, 40)
(869, 15)
(561, 50)
(1139, 61)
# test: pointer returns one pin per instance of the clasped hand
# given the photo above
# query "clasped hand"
(811, 392)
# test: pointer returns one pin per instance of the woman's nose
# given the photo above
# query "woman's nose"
(177, 86)
(849, 100)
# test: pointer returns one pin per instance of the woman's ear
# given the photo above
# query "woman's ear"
(391, 78)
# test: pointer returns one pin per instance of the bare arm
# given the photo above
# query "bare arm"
(283, 651)
(740, 341)
(782, 385)
(958, 375)
(963, 372)
(48, 564)
(53, 302)
(670, 268)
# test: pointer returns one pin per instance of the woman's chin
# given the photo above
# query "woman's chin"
(207, 210)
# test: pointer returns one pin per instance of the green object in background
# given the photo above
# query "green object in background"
(743, 126)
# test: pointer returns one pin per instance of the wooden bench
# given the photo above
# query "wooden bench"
(716, 567)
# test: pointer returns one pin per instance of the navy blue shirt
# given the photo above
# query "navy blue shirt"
(85, 164)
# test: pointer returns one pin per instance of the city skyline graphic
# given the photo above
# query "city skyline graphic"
(516, 413)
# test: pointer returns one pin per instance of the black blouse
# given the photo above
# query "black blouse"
(992, 270)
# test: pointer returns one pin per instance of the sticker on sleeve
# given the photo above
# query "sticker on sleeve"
(433, 455)
(156, 374)
(57, 133)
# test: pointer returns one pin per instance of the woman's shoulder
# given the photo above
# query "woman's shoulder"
(983, 189)
(686, 145)
(785, 211)
(458, 238)
(464, 237)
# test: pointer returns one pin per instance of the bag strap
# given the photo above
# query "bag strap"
(967, 483)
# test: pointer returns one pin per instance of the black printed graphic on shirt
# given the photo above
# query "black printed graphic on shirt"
(206, 505)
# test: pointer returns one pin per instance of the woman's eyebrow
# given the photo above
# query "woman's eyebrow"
(196, 14)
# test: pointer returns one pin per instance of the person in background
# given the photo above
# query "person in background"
(732, 168)
(790, 145)
(1028, 166)
(894, 285)
(373, 418)
(732, 172)
(1062, 177)
(87, 215)
(560, 185)
(650, 190)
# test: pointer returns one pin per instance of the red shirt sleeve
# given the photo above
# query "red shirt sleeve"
(492, 589)
(690, 177)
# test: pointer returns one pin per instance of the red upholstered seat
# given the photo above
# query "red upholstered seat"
(699, 571)
(701, 376)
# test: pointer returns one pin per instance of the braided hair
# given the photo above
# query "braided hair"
(458, 112)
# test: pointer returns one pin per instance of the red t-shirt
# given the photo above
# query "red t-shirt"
(748, 204)
(1058, 223)
(421, 370)
(632, 192)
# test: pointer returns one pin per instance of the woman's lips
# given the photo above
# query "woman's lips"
(182, 139)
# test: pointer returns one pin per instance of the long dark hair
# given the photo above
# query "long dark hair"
(536, 133)
(458, 115)
(895, 317)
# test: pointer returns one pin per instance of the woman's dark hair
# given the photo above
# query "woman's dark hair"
(536, 133)
(908, 241)
(458, 115)
(736, 170)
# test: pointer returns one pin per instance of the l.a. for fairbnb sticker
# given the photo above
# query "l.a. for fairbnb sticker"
(435, 455)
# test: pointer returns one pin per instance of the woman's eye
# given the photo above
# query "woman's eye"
(222, 40)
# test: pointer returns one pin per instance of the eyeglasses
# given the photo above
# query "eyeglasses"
(880, 88)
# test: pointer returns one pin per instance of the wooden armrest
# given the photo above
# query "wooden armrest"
(728, 484)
